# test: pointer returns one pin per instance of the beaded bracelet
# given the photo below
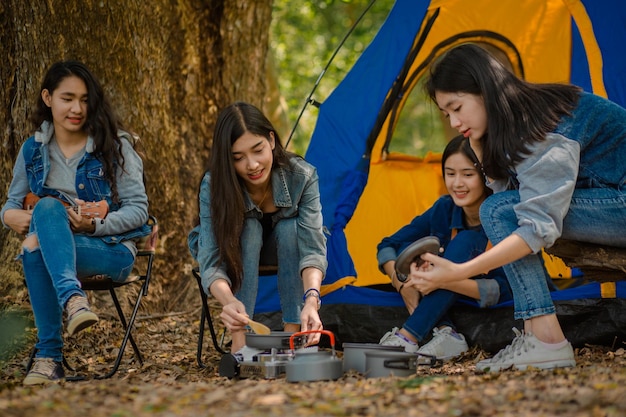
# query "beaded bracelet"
(307, 292)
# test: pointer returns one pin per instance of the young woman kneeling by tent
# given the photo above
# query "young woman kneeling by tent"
(556, 160)
(454, 219)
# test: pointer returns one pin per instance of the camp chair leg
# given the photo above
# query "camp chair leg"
(201, 340)
(216, 344)
(128, 331)
(205, 317)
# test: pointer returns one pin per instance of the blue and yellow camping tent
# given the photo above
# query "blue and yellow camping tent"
(545, 41)
(369, 191)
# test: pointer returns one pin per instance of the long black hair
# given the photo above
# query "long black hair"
(102, 123)
(519, 113)
(227, 189)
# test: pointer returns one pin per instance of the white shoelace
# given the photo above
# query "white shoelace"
(76, 304)
(43, 366)
(388, 335)
(437, 340)
(519, 344)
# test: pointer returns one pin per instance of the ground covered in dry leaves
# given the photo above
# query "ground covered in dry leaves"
(170, 383)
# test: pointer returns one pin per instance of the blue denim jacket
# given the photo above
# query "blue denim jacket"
(296, 195)
(586, 150)
(123, 222)
(440, 220)
(599, 126)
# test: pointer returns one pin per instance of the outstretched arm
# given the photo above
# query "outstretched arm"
(445, 272)
(309, 317)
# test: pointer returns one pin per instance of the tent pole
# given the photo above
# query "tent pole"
(309, 99)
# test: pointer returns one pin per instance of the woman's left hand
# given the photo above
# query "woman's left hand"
(310, 320)
(78, 223)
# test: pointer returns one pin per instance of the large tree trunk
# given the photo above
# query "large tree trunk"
(168, 67)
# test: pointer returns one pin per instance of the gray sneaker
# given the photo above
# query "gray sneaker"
(79, 315)
(392, 338)
(526, 350)
(44, 371)
(445, 344)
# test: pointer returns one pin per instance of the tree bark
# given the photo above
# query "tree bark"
(168, 67)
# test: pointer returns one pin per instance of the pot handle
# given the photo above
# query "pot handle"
(397, 363)
(326, 332)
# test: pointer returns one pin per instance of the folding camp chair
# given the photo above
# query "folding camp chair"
(146, 248)
(205, 316)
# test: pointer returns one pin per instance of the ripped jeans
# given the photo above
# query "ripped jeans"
(53, 265)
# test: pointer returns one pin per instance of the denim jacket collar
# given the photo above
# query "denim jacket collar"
(46, 131)
(280, 192)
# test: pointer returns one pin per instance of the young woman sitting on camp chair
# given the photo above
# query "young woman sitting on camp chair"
(259, 205)
(454, 220)
(78, 157)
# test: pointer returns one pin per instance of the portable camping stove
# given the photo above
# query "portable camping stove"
(268, 365)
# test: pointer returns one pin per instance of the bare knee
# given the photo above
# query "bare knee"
(31, 242)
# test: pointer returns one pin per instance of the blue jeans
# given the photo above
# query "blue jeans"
(595, 215)
(280, 249)
(52, 268)
(433, 308)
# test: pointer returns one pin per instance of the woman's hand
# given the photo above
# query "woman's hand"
(78, 223)
(18, 220)
(435, 273)
(234, 316)
(310, 319)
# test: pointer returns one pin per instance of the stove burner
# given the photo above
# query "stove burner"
(268, 364)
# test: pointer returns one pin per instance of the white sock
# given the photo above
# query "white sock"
(554, 346)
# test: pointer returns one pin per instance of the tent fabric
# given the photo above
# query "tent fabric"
(545, 40)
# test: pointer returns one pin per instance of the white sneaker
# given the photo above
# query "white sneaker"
(393, 338)
(526, 350)
(445, 344)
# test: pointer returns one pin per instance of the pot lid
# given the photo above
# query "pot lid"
(372, 346)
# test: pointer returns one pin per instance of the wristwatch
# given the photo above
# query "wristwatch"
(312, 292)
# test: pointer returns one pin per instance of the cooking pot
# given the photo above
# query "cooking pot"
(354, 354)
(309, 365)
(389, 363)
(278, 340)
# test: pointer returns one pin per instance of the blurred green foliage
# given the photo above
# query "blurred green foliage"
(15, 332)
(304, 36)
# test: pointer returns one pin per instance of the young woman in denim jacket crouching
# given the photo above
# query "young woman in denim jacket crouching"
(259, 205)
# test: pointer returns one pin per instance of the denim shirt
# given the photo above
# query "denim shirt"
(296, 195)
(124, 222)
(440, 220)
(586, 150)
